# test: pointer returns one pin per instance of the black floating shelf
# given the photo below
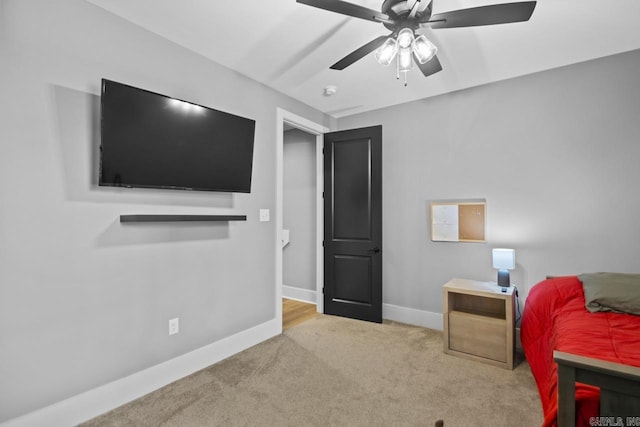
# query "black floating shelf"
(181, 218)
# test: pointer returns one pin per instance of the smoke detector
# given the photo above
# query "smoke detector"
(330, 90)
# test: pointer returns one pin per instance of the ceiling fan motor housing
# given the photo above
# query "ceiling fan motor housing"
(398, 11)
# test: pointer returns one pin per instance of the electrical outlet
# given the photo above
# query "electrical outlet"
(174, 326)
(264, 215)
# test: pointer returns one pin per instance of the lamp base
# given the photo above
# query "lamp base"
(503, 278)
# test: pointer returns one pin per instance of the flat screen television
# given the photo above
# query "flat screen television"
(151, 140)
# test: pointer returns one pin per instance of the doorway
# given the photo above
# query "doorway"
(287, 120)
(299, 215)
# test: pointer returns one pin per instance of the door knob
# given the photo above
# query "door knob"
(374, 250)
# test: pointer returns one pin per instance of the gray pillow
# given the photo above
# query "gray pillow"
(616, 292)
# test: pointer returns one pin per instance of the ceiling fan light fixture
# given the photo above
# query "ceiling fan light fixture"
(424, 49)
(405, 17)
(405, 63)
(405, 38)
(385, 53)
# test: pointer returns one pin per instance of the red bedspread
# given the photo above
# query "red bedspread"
(555, 318)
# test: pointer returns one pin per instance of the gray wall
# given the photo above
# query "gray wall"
(299, 214)
(555, 154)
(85, 300)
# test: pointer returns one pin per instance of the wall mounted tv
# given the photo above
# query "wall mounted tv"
(155, 141)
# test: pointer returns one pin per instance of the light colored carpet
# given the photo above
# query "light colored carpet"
(331, 371)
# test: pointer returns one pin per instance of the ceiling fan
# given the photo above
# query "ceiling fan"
(405, 17)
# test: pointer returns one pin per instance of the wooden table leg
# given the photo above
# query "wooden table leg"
(566, 396)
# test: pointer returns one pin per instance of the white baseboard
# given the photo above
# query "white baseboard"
(299, 294)
(102, 399)
(412, 316)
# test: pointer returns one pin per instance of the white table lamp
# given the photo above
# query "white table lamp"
(504, 260)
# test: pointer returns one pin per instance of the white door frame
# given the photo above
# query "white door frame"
(318, 130)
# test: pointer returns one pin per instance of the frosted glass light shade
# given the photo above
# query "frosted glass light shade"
(424, 49)
(385, 53)
(504, 259)
(405, 63)
(405, 38)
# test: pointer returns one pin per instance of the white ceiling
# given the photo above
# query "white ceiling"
(290, 46)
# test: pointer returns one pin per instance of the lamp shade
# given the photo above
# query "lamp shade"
(504, 259)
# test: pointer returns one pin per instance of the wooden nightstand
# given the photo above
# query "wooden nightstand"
(478, 321)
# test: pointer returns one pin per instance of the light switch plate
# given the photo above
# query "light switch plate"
(264, 215)
(174, 326)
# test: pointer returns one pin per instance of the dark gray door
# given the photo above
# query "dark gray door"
(353, 223)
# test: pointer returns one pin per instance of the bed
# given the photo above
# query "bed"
(576, 355)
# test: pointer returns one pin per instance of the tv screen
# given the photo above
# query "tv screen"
(155, 141)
